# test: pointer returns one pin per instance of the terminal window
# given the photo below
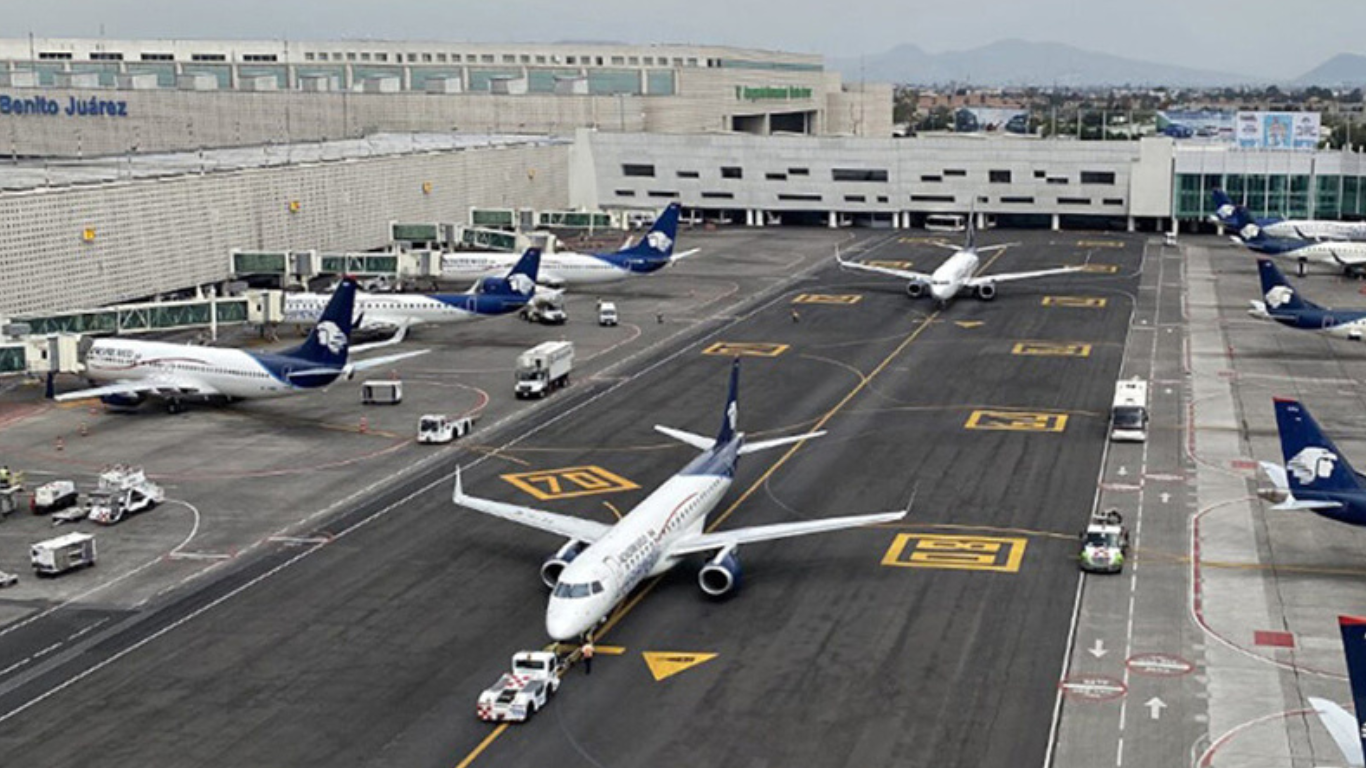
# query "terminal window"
(441, 57)
(307, 56)
(540, 59)
(1074, 201)
(509, 58)
(365, 57)
(1097, 177)
(855, 199)
(381, 57)
(932, 198)
(882, 198)
(427, 57)
(1040, 174)
(637, 169)
(689, 175)
(732, 172)
(54, 55)
(776, 176)
(487, 58)
(455, 58)
(1018, 200)
(931, 179)
(526, 58)
(662, 193)
(626, 193)
(800, 198)
(955, 172)
(350, 55)
(158, 57)
(998, 177)
(858, 174)
(718, 195)
(1113, 201)
(208, 57)
(105, 56)
(258, 57)
(799, 171)
(1057, 179)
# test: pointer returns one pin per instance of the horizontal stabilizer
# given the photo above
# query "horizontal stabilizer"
(1342, 726)
(685, 254)
(397, 338)
(1298, 505)
(710, 542)
(697, 441)
(379, 362)
(763, 445)
(550, 522)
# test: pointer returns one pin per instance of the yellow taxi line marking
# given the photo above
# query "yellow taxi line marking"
(483, 745)
(609, 650)
(612, 507)
(664, 664)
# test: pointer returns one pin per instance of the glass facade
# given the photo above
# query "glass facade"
(12, 359)
(165, 72)
(780, 66)
(479, 78)
(1291, 196)
(543, 80)
(613, 81)
(659, 82)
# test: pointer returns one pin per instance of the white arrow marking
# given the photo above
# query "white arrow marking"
(1166, 497)
(1167, 391)
(1097, 650)
(1123, 472)
(1155, 707)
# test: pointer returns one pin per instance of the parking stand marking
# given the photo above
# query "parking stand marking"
(1052, 348)
(1017, 421)
(962, 553)
(1075, 302)
(745, 349)
(828, 298)
(569, 482)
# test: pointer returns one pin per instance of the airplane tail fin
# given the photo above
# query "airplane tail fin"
(327, 344)
(732, 412)
(972, 228)
(1312, 462)
(658, 243)
(520, 280)
(1354, 646)
(1277, 291)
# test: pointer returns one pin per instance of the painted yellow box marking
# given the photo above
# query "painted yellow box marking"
(1080, 302)
(745, 349)
(844, 299)
(569, 482)
(962, 553)
(1052, 348)
(1017, 421)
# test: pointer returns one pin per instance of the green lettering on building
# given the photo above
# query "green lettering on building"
(771, 93)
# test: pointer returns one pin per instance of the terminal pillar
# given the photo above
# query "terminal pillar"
(749, 218)
(907, 220)
(896, 219)
(1131, 224)
(833, 220)
(1057, 222)
(758, 218)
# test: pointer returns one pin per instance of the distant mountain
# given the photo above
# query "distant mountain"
(1018, 62)
(1345, 70)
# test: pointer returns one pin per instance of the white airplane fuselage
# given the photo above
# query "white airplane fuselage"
(379, 310)
(1312, 228)
(635, 549)
(227, 372)
(949, 278)
(563, 268)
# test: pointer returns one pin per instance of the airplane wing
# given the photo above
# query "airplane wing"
(400, 333)
(157, 386)
(905, 274)
(380, 362)
(1342, 726)
(710, 542)
(1007, 277)
(562, 525)
(697, 441)
(677, 257)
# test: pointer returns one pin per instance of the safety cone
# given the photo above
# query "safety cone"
(61, 444)
(84, 430)
(364, 425)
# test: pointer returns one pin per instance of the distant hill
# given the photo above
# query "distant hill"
(1018, 62)
(1345, 70)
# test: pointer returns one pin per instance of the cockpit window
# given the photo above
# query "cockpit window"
(572, 591)
(597, 587)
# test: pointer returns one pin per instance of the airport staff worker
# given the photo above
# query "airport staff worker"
(5, 477)
(588, 657)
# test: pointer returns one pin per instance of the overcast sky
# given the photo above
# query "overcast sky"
(1275, 39)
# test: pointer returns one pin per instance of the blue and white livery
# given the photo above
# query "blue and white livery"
(1238, 218)
(1316, 476)
(1346, 255)
(396, 312)
(1282, 303)
(601, 564)
(177, 373)
(653, 252)
(1348, 730)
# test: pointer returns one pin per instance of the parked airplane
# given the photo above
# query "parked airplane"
(654, 252)
(397, 312)
(1282, 303)
(1238, 218)
(601, 564)
(1348, 256)
(1316, 476)
(181, 372)
(1348, 730)
(957, 274)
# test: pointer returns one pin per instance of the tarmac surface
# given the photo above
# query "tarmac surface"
(344, 612)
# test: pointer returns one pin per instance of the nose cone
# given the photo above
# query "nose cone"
(941, 292)
(565, 621)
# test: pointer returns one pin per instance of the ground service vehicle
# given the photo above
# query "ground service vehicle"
(546, 308)
(62, 554)
(544, 368)
(58, 494)
(123, 491)
(381, 392)
(607, 313)
(8, 579)
(1104, 543)
(519, 694)
(1129, 415)
(437, 428)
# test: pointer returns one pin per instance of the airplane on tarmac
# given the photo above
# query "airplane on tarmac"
(138, 369)
(654, 252)
(1347, 255)
(1348, 730)
(1282, 303)
(1315, 476)
(1238, 218)
(397, 312)
(601, 564)
(957, 274)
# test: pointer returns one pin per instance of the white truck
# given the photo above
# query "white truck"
(1129, 415)
(1104, 543)
(521, 693)
(607, 313)
(381, 392)
(64, 553)
(53, 496)
(545, 307)
(123, 491)
(436, 428)
(544, 368)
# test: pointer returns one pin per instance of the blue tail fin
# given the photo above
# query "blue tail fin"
(520, 280)
(326, 345)
(1312, 462)
(972, 227)
(1278, 293)
(1232, 215)
(658, 243)
(1354, 646)
(727, 432)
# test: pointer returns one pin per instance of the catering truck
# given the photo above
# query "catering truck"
(64, 553)
(1129, 415)
(544, 368)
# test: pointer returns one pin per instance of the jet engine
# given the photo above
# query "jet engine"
(556, 563)
(131, 400)
(915, 289)
(986, 291)
(721, 575)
